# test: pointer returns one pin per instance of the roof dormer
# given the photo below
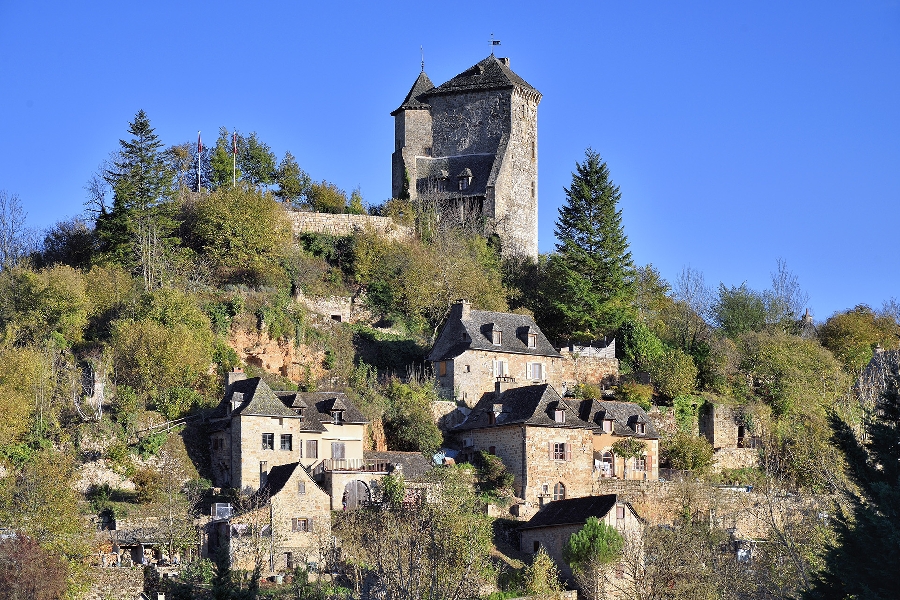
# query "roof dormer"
(464, 179)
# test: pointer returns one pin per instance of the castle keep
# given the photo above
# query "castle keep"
(469, 146)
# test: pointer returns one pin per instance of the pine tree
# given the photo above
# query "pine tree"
(222, 164)
(141, 184)
(865, 561)
(591, 273)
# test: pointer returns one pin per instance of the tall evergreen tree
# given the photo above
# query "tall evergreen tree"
(222, 162)
(141, 183)
(591, 272)
(865, 561)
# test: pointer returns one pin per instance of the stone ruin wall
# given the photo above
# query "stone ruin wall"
(346, 224)
(872, 381)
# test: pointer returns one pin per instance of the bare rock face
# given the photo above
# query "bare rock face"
(297, 362)
(872, 381)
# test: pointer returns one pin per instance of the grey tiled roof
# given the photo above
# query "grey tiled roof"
(429, 170)
(413, 99)
(325, 401)
(573, 511)
(489, 74)
(413, 464)
(278, 478)
(526, 405)
(477, 329)
(257, 399)
(624, 415)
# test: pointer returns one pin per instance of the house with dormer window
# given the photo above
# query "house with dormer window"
(538, 435)
(476, 348)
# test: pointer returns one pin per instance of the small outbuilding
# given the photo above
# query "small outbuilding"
(552, 526)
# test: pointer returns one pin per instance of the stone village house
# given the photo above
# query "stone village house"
(475, 348)
(295, 457)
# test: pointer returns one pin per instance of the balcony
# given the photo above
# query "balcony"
(354, 465)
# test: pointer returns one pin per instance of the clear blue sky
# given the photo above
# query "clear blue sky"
(738, 132)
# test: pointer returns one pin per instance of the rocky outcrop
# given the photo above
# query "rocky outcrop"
(297, 362)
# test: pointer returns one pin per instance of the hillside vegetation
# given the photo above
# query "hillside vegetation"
(128, 317)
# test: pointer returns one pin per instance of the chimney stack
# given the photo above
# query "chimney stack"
(236, 375)
(461, 309)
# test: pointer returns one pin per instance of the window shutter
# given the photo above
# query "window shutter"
(568, 448)
(550, 448)
(294, 524)
(311, 522)
(300, 444)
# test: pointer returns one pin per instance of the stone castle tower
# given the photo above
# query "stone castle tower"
(471, 145)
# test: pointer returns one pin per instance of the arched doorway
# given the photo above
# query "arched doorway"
(355, 493)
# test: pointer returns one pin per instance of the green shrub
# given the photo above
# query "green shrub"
(492, 473)
(686, 410)
(147, 484)
(640, 394)
(687, 452)
(177, 401)
(150, 445)
(674, 373)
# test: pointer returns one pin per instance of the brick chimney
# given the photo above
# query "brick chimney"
(236, 375)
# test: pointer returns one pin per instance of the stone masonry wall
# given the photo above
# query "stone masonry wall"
(516, 188)
(472, 374)
(118, 583)
(543, 470)
(719, 424)
(346, 224)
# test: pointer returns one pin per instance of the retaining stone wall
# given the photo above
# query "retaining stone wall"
(120, 583)
(346, 224)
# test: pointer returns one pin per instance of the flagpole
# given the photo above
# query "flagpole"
(199, 152)
(234, 160)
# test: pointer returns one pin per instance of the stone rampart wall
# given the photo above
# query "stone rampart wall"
(346, 224)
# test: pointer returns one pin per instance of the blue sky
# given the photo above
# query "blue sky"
(738, 132)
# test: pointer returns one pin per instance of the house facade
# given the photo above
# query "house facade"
(539, 437)
(256, 429)
(477, 348)
(614, 421)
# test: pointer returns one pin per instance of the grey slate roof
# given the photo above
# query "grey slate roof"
(429, 170)
(624, 415)
(413, 100)
(477, 329)
(489, 74)
(257, 398)
(325, 402)
(527, 405)
(278, 478)
(573, 511)
(412, 464)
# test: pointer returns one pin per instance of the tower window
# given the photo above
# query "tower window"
(533, 190)
(533, 150)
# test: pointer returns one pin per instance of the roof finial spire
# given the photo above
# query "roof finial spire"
(422, 51)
